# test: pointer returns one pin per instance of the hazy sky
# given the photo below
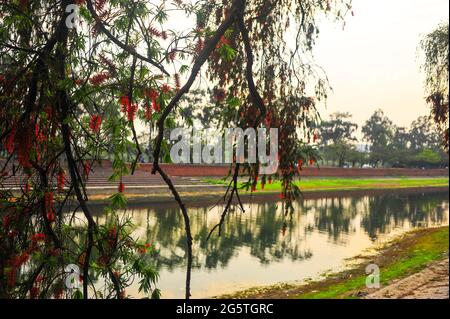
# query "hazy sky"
(373, 63)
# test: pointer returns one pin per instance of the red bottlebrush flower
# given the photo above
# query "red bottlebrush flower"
(131, 112)
(164, 35)
(153, 31)
(311, 161)
(51, 216)
(34, 292)
(220, 95)
(38, 237)
(40, 134)
(282, 196)
(61, 181)
(269, 118)
(38, 154)
(108, 63)
(79, 82)
(48, 199)
(18, 261)
(100, 6)
(165, 88)
(156, 106)
(172, 55)
(121, 187)
(316, 137)
(112, 233)
(9, 142)
(24, 146)
(99, 78)
(270, 180)
(151, 94)
(177, 80)
(199, 46)
(103, 260)
(223, 41)
(148, 112)
(95, 123)
(112, 236)
(253, 188)
(125, 102)
(86, 169)
(55, 252)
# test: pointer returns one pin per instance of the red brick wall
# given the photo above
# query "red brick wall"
(211, 170)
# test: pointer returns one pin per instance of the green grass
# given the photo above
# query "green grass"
(427, 248)
(320, 184)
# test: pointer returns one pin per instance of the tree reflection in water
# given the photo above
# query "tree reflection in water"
(263, 246)
(261, 228)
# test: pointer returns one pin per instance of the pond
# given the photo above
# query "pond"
(263, 246)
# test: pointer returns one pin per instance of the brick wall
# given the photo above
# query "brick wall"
(219, 170)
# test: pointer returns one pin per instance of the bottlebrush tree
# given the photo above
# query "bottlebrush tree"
(73, 85)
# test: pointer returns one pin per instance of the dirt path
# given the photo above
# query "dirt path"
(430, 283)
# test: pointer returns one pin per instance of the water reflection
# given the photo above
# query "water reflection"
(263, 246)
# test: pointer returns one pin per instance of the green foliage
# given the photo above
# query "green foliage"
(378, 130)
(389, 145)
(227, 52)
(118, 201)
(428, 157)
(339, 129)
(435, 49)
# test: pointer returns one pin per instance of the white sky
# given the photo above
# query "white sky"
(373, 62)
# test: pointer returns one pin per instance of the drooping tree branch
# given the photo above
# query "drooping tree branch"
(133, 129)
(258, 101)
(116, 41)
(238, 5)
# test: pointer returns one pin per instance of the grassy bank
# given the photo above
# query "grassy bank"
(400, 258)
(327, 184)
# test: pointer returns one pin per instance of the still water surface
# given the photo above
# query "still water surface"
(263, 246)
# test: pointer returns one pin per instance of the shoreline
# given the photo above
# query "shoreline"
(195, 199)
(400, 260)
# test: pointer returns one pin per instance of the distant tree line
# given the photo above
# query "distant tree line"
(383, 144)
